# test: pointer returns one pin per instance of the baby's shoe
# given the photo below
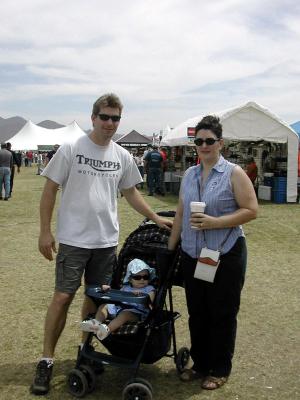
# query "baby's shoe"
(90, 325)
(102, 331)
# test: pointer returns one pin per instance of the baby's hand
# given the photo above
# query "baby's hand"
(137, 293)
(105, 288)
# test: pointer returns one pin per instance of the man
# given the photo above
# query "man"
(5, 170)
(148, 149)
(154, 166)
(90, 172)
(51, 153)
(16, 161)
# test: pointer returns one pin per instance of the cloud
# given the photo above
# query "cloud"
(166, 59)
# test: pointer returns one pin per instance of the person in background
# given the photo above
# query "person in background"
(29, 155)
(90, 173)
(148, 149)
(139, 160)
(39, 163)
(213, 305)
(51, 153)
(6, 163)
(16, 161)
(251, 170)
(154, 166)
(164, 155)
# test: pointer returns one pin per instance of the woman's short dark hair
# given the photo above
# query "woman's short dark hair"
(212, 123)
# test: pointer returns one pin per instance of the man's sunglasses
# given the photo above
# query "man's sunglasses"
(139, 277)
(208, 141)
(106, 117)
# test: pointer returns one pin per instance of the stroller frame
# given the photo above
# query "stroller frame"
(159, 323)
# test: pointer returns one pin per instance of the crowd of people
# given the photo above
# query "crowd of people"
(88, 231)
(12, 161)
(9, 162)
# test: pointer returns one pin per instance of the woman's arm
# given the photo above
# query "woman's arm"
(177, 225)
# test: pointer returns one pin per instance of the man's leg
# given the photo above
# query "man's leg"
(55, 321)
(151, 181)
(1, 180)
(98, 271)
(70, 263)
(7, 183)
(54, 324)
(12, 175)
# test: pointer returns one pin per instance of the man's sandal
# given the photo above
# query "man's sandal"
(189, 374)
(214, 382)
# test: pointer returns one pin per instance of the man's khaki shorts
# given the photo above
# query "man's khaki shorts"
(72, 262)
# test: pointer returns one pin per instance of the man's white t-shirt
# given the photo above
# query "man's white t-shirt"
(90, 176)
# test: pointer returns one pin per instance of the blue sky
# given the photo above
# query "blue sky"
(168, 60)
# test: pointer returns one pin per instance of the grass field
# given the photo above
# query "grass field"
(266, 363)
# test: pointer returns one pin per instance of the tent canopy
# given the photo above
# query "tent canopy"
(31, 136)
(249, 122)
(133, 137)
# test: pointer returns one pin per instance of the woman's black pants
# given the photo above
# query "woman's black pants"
(213, 309)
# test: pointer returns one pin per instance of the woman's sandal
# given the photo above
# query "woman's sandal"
(189, 374)
(214, 382)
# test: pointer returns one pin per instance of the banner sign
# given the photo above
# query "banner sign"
(191, 132)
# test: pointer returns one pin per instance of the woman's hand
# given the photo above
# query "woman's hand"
(203, 221)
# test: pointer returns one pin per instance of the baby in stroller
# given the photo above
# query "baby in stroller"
(137, 281)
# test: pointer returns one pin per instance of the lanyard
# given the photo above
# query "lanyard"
(200, 187)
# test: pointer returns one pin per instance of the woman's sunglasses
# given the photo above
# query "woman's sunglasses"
(140, 277)
(106, 117)
(208, 141)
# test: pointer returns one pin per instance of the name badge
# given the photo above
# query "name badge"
(207, 265)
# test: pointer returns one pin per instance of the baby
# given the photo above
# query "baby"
(136, 280)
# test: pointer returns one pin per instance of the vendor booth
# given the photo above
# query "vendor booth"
(250, 130)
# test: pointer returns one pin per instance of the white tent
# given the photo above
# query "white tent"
(249, 122)
(31, 136)
(166, 131)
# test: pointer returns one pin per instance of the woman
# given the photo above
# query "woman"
(213, 306)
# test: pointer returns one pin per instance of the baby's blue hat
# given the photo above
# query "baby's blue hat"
(135, 266)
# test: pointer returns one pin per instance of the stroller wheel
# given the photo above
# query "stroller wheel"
(137, 391)
(182, 358)
(140, 380)
(90, 377)
(77, 383)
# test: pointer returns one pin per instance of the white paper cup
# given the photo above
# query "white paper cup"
(197, 206)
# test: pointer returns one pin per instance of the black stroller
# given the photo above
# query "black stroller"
(140, 342)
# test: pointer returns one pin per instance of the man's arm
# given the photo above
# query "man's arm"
(136, 201)
(46, 239)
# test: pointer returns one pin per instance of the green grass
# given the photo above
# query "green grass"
(266, 363)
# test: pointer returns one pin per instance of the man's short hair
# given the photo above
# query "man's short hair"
(3, 145)
(107, 100)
